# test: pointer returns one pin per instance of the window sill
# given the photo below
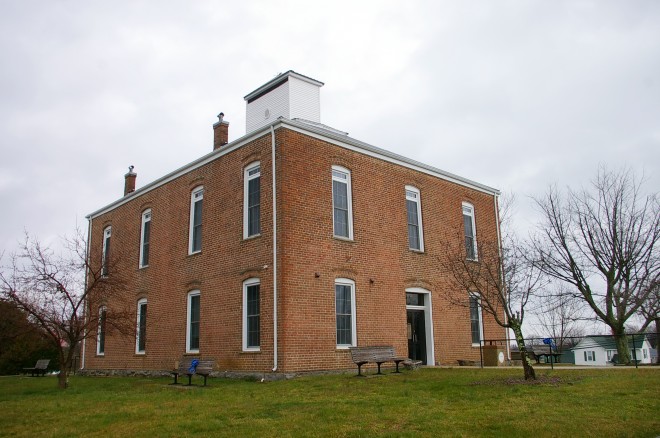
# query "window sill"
(143, 267)
(417, 251)
(252, 237)
(191, 353)
(343, 239)
(141, 353)
(190, 254)
(344, 347)
(251, 351)
(100, 354)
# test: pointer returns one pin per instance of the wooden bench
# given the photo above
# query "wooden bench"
(39, 369)
(375, 354)
(203, 367)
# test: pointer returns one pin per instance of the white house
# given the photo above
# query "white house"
(601, 350)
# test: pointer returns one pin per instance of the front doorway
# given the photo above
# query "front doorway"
(420, 325)
(416, 335)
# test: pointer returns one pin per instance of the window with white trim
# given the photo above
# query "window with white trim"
(141, 329)
(193, 320)
(589, 356)
(414, 214)
(342, 207)
(195, 233)
(100, 333)
(251, 317)
(476, 320)
(470, 231)
(345, 312)
(252, 200)
(105, 257)
(145, 235)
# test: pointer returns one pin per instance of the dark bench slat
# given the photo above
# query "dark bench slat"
(375, 354)
(204, 368)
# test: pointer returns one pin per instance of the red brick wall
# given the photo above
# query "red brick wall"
(378, 260)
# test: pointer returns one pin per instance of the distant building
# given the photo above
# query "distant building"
(283, 248)
(601, 350)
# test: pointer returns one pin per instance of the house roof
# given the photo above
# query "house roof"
(608, 342)
(316, 130)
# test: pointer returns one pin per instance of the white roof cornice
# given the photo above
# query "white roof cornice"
(332, 137)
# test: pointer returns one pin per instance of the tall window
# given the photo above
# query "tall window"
(470, 234)
(105, 258)
(100, 333)
(414, 210)
(345, 312)
(251, 338)
(145, 234)
(141, 333)
(192, 332)
(476, 320)
(251, 200)
(196, 198)
(342, 203)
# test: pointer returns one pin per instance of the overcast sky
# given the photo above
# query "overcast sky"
(513, 94)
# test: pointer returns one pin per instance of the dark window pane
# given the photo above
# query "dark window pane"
(475, 321)
(340, 201)
(469, 236)
(106, 257)
(413, 225)
(413, 299)
(194, 322)
(254, 213)
(197, 226)
(102, 318)
(253, 316)
(343, 314)
(145, 243)
(142, 330)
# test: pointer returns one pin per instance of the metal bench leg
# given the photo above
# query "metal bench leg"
(397, 367)
(379, 363)
(189, 379)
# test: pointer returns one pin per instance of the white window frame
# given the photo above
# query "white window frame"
(476, 296)
(468, 209)
(191, 294)
(246, 284)
(246, 208)
(351, 284)
(346, 179)
(105, 256)
(146, 218)
(101, 330)
(138, 334)
(413, 194)
(196, 195)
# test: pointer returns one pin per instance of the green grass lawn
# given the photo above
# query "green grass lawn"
(428, 402)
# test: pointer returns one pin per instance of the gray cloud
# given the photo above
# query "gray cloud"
(515, 95)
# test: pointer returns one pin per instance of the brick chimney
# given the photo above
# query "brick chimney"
(220, 132)
(129, 181)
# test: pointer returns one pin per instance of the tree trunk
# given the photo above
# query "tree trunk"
(622, 349)
(63, 378)
(65, 365)
(528, 368)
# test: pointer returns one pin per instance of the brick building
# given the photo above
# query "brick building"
(279, 250)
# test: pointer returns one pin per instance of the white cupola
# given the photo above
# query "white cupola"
(289, 95)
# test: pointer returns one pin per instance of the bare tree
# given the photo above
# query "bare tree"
(500, 276)
(603, 242)
(559, 315)
(60, 293)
